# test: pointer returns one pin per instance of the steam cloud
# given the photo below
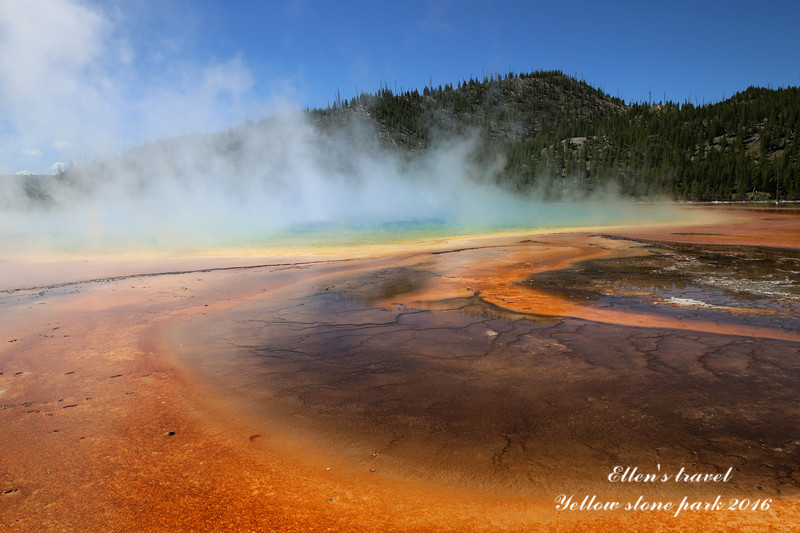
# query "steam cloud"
(70, 90)
(260, 181)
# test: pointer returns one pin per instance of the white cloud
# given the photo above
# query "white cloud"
(58, 166)
(71, 69)
(24, 173)
(196, 99)
(51, 77)
(31, 151)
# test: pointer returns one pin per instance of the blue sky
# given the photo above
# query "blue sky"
(81, 78)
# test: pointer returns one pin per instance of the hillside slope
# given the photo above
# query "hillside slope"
(552, 129)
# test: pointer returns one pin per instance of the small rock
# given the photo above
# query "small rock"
(170, 433)
(371, 469)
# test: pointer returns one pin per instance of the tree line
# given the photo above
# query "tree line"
(555, 132)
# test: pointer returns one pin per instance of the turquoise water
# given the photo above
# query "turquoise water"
(226, 232)
(543, 217)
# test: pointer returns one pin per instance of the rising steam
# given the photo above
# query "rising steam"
(270, 180)
(79, 88)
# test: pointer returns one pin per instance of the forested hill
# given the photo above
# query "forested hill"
(552, 131)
